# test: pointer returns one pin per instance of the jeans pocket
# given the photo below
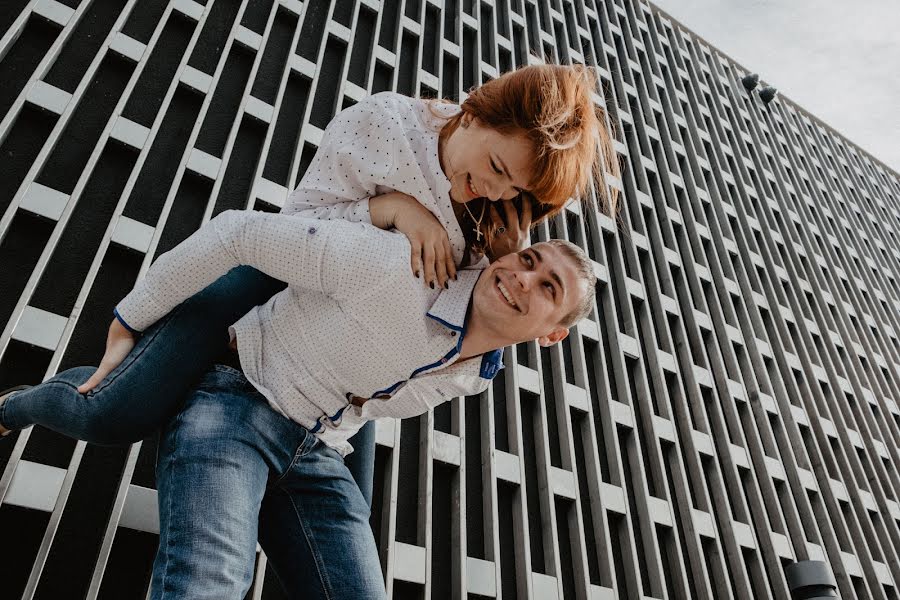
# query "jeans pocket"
(222, 378)
(225, 370)
(306, 445)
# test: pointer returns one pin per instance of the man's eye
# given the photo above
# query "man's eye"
(528, 260)
(550, 287)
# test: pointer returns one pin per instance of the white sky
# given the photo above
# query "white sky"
(839, 60)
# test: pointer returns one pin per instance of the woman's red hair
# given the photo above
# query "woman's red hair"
(552, 106)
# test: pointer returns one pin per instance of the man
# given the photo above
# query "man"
(354, 337)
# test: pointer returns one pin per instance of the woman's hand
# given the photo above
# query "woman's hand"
(431, 256)
(119, 343)
(510, 235)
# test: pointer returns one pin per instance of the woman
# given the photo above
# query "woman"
(429, 169)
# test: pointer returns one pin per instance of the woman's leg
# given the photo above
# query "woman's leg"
(138, 396)
(361, 462)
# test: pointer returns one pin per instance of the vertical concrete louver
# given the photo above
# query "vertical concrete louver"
(730, 408)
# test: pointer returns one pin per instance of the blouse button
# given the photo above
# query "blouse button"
(312, 230)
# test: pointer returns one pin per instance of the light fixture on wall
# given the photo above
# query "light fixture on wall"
(766, 93)
(750, 81)
(810, 580)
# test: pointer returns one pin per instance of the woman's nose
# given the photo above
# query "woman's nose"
(510, 194)
(494, 192)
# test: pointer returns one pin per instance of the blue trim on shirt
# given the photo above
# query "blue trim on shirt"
(124, 324)
(444, 359)
(491, 363)
(447, 324)
(389, 390)
(455, 350)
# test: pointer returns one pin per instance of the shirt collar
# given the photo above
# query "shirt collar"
(452, 305)
(451, 310)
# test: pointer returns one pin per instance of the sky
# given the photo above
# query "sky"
(838, 60)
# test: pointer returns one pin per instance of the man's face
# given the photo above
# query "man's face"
(525, 296)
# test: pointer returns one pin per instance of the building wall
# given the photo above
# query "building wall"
(730, 407)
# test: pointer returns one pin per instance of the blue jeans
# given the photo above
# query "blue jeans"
(229, 462)
(142, 393)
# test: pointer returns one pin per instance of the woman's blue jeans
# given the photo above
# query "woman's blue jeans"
(232, 470)
(149, 387)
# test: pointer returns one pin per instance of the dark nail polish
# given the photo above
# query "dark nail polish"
(432, 285)
(446, 285)
(417, 274)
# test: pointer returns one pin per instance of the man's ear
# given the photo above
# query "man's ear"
(554, 337)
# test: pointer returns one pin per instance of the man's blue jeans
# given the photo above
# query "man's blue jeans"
(228, 461)
(142, 393)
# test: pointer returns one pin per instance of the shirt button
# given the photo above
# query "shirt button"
(312, 230)
(443, 360)
(452, 334)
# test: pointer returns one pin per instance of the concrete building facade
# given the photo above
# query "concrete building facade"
(729, 408)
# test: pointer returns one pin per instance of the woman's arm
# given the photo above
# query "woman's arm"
(356, 155)
(431, 256)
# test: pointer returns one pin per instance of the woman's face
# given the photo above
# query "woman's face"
(481, 162)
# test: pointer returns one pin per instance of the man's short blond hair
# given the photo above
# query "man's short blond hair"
(585, 270)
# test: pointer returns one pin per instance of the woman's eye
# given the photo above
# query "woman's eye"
(549, 287)
(494, 167)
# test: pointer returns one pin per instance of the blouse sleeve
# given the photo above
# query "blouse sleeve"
(354, 157)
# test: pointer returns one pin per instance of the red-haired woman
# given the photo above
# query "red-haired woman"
(435, 171)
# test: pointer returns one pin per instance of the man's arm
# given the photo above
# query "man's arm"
(336, 258)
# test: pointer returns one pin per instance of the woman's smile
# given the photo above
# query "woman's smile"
(471, 189)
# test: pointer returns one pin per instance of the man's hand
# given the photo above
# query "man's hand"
(510, 233)
(119, 343)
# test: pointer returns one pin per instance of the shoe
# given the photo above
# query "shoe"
(5, 393)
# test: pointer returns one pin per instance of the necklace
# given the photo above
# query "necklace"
(478, 220)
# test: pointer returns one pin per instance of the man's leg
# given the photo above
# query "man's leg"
(216, 457)
(147, 388)
(314, 528)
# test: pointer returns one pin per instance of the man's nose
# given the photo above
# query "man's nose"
(525, 279)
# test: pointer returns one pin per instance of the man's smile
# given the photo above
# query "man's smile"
(506, 295)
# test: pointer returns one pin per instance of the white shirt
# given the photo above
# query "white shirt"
(386, 142)
(353, 320)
